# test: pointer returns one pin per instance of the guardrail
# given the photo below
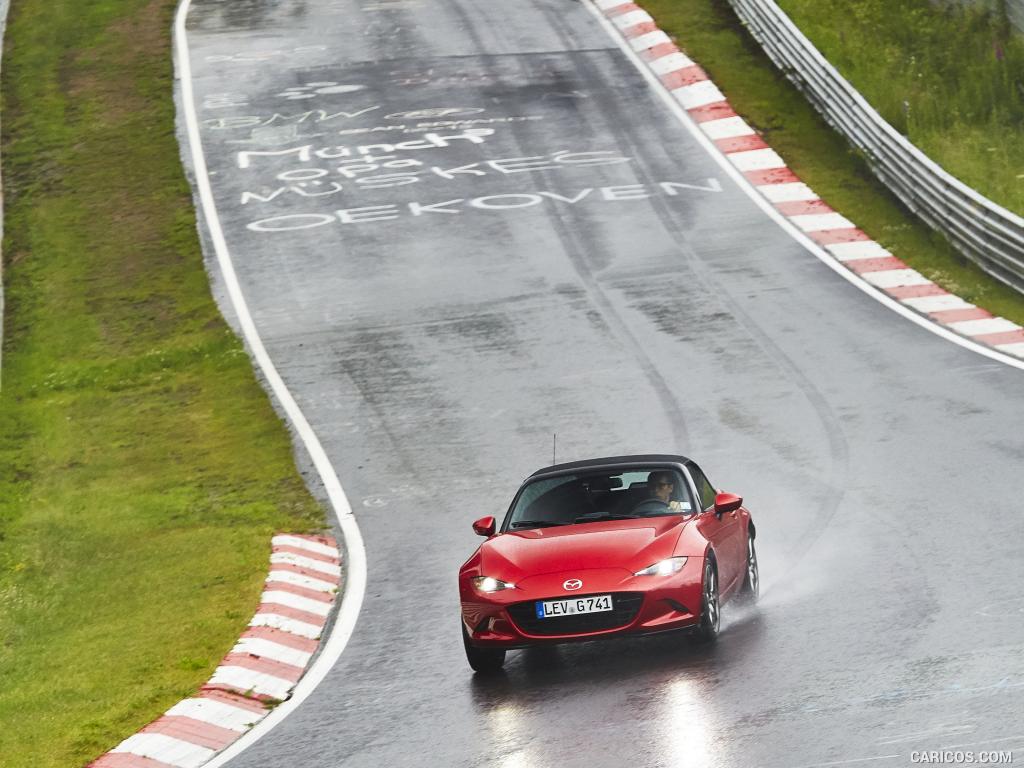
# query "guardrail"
(988, 234)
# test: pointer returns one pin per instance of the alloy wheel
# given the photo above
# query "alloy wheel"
(711, 606)
(753, 576)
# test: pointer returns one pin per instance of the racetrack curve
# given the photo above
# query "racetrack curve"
(536, 245)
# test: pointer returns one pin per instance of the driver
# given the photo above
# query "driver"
(660, 485)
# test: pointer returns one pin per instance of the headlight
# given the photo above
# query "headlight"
(664, 568)
(489, 584)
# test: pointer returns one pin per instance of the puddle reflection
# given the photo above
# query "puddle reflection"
(688, 717)
(661, 688)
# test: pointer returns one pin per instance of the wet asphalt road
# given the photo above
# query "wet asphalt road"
(480, 228)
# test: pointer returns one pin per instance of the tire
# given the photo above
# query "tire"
(710, 607)
(752, 579)
(482, 660)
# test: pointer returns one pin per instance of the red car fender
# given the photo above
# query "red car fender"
(692, 543)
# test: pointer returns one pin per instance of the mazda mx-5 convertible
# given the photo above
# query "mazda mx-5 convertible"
(606, 547)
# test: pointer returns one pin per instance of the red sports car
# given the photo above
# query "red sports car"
(591, 549)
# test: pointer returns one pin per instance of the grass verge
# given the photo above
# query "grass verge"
(142, 469)
(948, 76)
(710, 33)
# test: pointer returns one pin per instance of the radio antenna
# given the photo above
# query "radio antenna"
(554, 442)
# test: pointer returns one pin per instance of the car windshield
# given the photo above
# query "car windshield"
(611, 494)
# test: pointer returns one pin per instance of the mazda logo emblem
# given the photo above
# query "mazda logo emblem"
(571, 585)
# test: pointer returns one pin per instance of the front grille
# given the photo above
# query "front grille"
(625, 606)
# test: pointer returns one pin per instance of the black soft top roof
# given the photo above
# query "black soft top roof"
(646, 458)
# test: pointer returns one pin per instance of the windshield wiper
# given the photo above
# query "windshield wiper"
(535, 524)
(586, 519)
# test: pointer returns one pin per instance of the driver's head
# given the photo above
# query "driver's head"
(661, 484)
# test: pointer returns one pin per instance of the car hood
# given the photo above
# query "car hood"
(629, 544)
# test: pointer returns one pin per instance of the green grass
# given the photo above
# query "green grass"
(710, 33)
(142, 469)
(950, 77)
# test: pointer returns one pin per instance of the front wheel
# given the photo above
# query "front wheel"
(483, 660)
(752, 579)
(710, 609)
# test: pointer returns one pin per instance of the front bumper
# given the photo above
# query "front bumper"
(664, 603)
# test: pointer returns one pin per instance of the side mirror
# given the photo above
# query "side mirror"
(484, 526)
(727, 502)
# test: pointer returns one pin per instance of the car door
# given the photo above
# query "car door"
(725, 534)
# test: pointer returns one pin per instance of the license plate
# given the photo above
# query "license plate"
(547, 609)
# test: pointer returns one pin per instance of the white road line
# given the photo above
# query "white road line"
(355, 576)
(727, 128)
(245, 679)
(312, 546)
(859, 249)
(687, 122)
(296, 601)
(306, 562)
(288, 577)
(216, 713)
(268, 649)
(698, 94)
(671, 63)
(166, 749)
(296, 627)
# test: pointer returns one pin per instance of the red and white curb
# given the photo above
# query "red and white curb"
(767, 172)
(263, 667)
